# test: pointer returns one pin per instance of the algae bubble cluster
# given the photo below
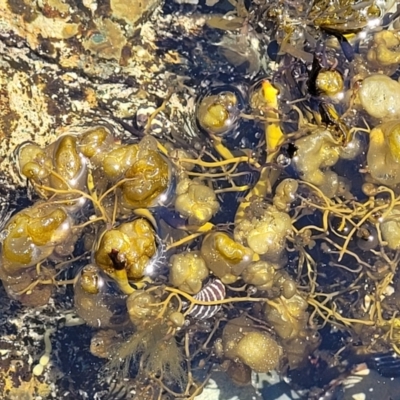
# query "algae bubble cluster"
(238, 241)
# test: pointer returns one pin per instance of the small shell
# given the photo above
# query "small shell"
(212, 291)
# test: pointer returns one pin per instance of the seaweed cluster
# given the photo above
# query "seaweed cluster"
(266, 215)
